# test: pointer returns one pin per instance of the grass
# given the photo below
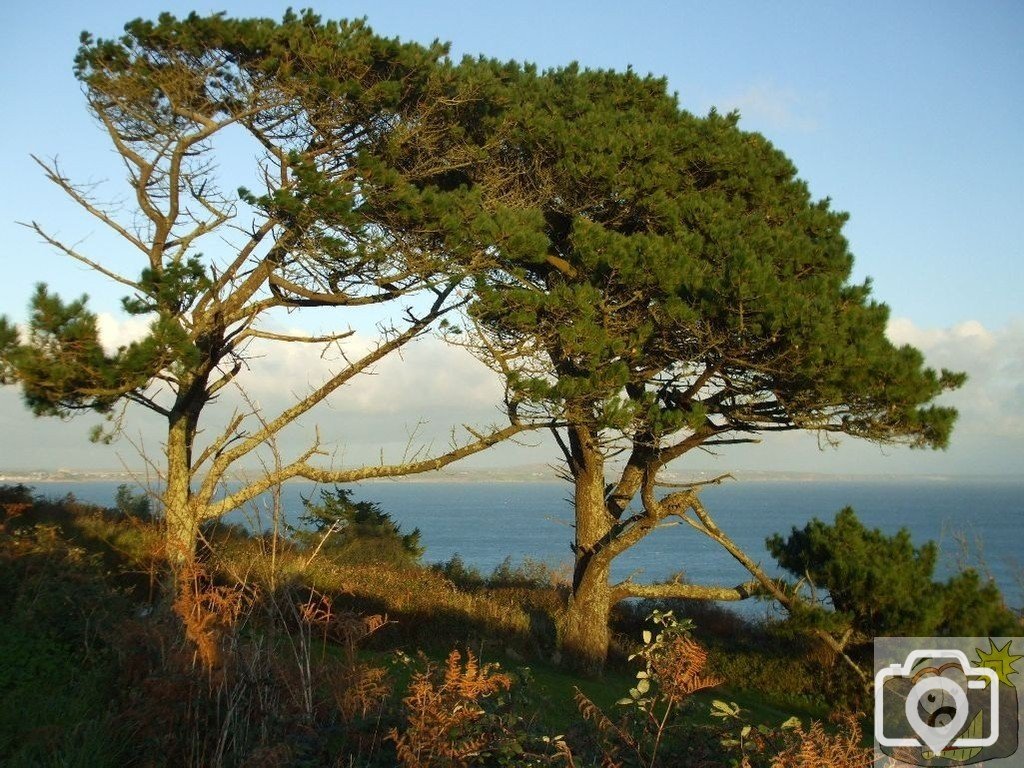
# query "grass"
(93, 656)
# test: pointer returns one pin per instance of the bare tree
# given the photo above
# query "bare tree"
(323, 105)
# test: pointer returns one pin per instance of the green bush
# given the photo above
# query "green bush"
(884, 585)
(356, 531)
(131, 504)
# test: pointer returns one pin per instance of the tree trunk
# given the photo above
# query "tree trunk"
(584, 633)
(182, 536)
(584, 630)
(180, 518)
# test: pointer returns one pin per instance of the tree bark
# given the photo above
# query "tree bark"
(180, 516)
(584, 633)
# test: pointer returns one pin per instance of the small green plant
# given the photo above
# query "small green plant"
(748, 740)
(673, 670)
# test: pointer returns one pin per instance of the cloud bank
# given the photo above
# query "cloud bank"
(992, 400)
(418, 397)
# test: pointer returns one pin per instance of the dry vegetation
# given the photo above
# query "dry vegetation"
(260, 656)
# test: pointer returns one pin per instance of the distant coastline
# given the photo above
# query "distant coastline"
(529, 473)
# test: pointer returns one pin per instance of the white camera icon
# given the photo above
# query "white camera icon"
(938, 737)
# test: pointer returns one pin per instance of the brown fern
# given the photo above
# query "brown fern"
(441, 714)
(358, 689)
(208, 612)
(677, 668)
(816, 748)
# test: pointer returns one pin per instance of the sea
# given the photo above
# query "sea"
(979, 523)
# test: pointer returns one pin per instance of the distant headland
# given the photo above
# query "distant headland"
(526, 473)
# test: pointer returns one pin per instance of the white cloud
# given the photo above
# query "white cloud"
(992, 400)
(118, 331)
(425, 375)
(766, 105)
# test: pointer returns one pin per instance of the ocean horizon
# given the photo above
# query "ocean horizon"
(975, 522)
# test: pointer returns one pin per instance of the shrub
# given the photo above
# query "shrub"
(133, 505)
(529, 574)
(461, 575)
(16, 494)
(356, 531)
(883, 585)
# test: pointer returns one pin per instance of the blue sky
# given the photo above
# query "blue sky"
(908, 115)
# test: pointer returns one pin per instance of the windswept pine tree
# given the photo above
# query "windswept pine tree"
(665, 283)
(316, 104)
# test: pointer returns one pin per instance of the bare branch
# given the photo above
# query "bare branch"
(227, 435)
(147, 402)
(713, 481)
(70, 251)
(256, 334)
(79, 196)
(302, 469)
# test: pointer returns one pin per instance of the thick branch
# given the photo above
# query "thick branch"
(257, 334)
(307, 298)
(702, 435)
(769, 586)
(678, 590)
(147, 402)
(302, 469)
(231, 271)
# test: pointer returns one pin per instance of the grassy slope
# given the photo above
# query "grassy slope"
(70, 573)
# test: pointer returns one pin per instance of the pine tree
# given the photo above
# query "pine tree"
(885, 585)
(665, 283)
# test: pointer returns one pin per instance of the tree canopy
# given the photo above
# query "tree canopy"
(675, 275)
(663, 282)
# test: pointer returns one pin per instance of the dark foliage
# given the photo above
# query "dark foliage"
(356, 531)
(885, 585)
